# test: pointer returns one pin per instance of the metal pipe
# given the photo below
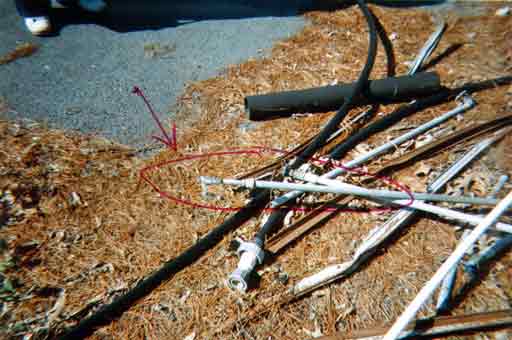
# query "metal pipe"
(381, 234)
(428, 48)
(336, 187)
(425, 293)
(445, 292)
(351, 189)
(477, 149)
(500, 185)
(478, 260)
(452, 214)
(466, 103)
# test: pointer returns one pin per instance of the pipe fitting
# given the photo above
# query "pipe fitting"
(251, 254)
(305, 176)
(465, 100)
(205, 182)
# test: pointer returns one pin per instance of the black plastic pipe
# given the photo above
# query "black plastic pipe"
(443, 95)
(359, 87)
(113, 310)
(329, 98)
(275, 219)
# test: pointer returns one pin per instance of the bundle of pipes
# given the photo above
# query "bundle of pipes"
(251, 253)
(426, 90)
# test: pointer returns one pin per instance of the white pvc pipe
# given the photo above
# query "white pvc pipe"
(468, 103)
(410, 312)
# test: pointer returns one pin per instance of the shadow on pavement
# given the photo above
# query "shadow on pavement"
(136, 15)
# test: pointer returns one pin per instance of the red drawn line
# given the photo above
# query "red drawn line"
(257, 150)
(174, 136)
(169, 142)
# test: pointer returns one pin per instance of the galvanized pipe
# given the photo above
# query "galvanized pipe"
(380, 234)
(452, 214)
(428, 48)
(466, 103)
(336, 187)
(445, 291)
(425, 293)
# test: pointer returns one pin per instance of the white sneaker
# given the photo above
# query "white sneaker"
(38, 25)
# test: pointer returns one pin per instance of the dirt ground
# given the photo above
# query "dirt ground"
(79, 226)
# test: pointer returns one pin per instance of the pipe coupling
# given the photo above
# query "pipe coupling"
(251, 255)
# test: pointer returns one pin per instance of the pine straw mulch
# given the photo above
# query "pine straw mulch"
(80, 227)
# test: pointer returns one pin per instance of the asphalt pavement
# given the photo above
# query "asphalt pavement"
(81, 78)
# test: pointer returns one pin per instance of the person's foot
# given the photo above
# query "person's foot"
(36, 12)
(35, 15)
(36, 20)
(38, 25)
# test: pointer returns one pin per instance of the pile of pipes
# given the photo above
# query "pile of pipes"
(309, 170)
(300, 178)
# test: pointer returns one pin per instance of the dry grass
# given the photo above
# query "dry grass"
(120, 229)
(21, 51)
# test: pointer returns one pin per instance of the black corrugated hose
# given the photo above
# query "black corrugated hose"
(359, 86)
(107, 313)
